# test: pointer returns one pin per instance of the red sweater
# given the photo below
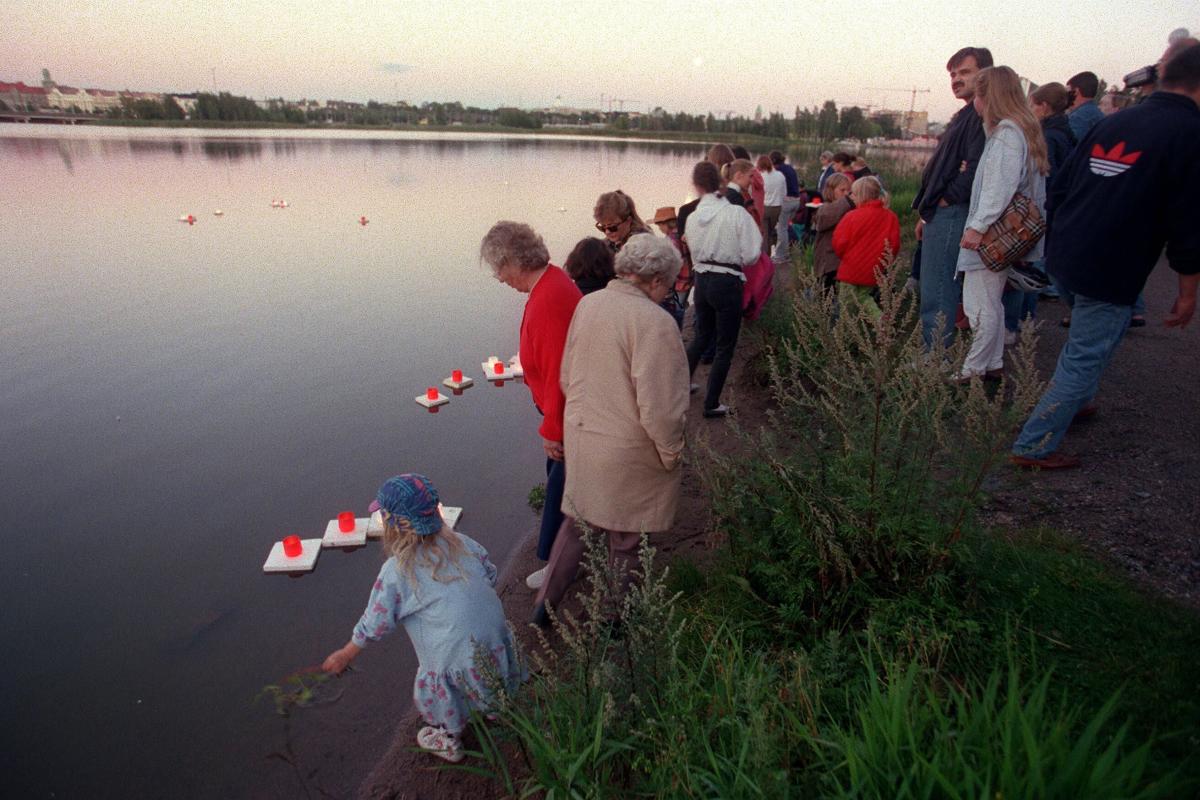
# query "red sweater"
(859, 241)
(548, 313)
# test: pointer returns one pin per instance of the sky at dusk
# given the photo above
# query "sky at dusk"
(684, 56)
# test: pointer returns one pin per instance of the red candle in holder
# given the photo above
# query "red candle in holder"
(456, 375)
(346, 521)
(292, 547)
(431, 393)
(499, 366)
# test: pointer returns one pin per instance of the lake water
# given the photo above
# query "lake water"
(174, 398)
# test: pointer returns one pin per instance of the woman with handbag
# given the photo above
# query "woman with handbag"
(1005, 218)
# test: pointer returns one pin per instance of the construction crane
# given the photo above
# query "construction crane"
(912, 106)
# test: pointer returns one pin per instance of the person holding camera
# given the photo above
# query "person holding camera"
(1125, 192)
(1083, 112)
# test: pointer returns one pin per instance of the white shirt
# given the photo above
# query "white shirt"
(719, 232)
(776, 188)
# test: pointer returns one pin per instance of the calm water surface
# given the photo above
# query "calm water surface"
(174, 398)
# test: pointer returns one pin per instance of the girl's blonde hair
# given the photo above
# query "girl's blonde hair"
(1001, 88)
(434, 552)
(867, 188)
(833, 181)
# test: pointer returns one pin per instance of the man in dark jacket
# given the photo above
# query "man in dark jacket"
(1127, 190)
(944, 196)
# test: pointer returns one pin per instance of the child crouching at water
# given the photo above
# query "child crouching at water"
(866, 239)
(438, 584)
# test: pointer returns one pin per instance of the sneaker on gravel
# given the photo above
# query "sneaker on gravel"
(441, 743)
(535, 579)
(716, 413)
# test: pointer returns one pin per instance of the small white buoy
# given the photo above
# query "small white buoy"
(218, 213)
(283, 203)
(562, 209)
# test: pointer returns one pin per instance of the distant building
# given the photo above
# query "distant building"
(68, 98)
(103, 100)
(187, 102)
(19, 97)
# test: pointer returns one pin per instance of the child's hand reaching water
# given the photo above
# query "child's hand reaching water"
(338, 660)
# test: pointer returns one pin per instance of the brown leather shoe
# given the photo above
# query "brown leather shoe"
(1085, 413)
(1051, 461)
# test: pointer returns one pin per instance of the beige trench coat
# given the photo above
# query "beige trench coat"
(625, 377)
(824, 221)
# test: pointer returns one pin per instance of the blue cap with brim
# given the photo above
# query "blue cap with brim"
(412, 497)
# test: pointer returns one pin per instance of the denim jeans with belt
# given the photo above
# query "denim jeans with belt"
(1097, 328)
(718, 305)
(940, 292)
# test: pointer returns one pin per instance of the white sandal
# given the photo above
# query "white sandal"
(441, 743)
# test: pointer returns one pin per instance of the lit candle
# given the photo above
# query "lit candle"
(292, 547)
(499, 368)
(456, 376)
(346, 521)
(431, 393)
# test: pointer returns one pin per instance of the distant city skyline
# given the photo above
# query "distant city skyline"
(684, 56)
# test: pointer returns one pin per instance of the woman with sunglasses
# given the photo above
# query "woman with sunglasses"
(617, 218)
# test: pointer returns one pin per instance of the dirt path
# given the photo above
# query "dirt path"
(1135, 501)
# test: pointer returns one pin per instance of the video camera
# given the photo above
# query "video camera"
(1148, 75)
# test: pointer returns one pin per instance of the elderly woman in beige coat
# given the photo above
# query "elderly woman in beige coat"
(625, 376)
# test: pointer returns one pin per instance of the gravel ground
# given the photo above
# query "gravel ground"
(1135, 501)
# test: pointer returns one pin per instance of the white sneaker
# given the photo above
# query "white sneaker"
(536, 579)
(693, 388)
(441, 743)
(1010, 338)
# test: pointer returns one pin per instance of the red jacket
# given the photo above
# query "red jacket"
(859, 241)
(548, 313)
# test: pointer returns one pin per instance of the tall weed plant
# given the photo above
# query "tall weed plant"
(859, 487)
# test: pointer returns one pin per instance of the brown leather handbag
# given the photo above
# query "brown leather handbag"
(1009, 238)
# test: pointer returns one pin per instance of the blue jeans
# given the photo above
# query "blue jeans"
(1096, 330)
(718, 304)
(552, 515)
(940, 293)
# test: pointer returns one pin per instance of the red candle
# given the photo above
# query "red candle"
(499, 367)
(346, 521)
(292, 547)
(431, 393)
(456, 376)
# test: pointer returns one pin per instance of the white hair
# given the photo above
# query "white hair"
(647, 257)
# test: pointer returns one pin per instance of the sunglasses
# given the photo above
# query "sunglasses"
(611, 228)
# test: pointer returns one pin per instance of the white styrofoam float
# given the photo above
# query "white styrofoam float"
(374, 525)
(278, 562)
(514, 365)
(490, 373)
(334, 537)
(423, 399)
(458, 385)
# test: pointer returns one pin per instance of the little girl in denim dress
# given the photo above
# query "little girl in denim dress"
(438, 584)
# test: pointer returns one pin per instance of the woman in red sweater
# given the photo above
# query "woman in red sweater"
(519, 258)
(867, 239)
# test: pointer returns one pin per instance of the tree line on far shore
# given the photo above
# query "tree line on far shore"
(827, 122)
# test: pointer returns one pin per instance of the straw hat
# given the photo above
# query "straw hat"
(664, 214)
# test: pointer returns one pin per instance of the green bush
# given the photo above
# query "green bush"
(861, 484)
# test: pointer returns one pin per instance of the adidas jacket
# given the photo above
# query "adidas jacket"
(1127, 189)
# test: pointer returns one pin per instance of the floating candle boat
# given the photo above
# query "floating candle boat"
(293, 555)
(363, 220)
(337, 535)
(432, 398)
(188, 218)
(218, 213)
(496, 370)
(457, 381)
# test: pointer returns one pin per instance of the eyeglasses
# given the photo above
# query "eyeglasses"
(611, 228)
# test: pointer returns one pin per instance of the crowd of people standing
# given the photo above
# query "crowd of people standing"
(610, 374)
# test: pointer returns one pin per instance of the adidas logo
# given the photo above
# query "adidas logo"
(1114, 162)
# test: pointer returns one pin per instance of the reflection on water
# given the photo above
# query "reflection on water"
(176, 397)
